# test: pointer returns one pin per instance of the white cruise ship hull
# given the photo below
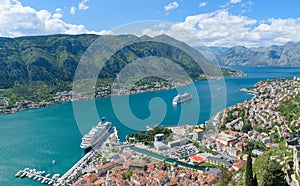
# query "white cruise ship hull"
(181, 98)
(96, 135)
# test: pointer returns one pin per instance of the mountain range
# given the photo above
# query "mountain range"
(287, 55)
(37, 67)
(55, 57)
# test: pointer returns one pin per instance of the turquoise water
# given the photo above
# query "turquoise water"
(169, 160)
(33, 138)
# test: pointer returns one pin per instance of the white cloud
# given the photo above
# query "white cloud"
(171, 6)
(73, 10)
(82, 5)
(58, 13)
(220, 28)
(279, 31)
(235, 1)
(19, 20)
(202, 4)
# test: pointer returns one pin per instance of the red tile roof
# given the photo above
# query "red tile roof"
(239, 165)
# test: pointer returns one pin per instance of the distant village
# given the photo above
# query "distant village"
(7, 107)
(66, 96)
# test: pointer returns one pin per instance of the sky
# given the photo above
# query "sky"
(252, 23)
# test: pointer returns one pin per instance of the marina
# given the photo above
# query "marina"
(38, 176)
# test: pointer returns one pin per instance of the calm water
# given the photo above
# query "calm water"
(33, 138)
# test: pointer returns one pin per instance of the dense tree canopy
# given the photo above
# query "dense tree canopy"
(274, 175)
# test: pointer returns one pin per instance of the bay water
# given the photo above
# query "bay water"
(33, 138)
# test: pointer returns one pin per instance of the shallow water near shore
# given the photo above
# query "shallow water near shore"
(33, 138)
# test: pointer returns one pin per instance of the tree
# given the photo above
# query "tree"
(255, 182)
(225, 177)
(223, 127)
(246, 127)
(128, 174)
(104, 161)
(274, 175)
(249, 174)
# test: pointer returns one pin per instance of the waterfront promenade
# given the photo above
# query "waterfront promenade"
(79, 166)
(75, 167)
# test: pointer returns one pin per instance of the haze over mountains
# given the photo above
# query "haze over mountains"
(286, 55)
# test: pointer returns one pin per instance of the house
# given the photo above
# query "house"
(237, 166)
(160, 146)
(89, 179)
(266, 140)
(212, 171)
(104, 168)
(291, 143)
(257, 152)
(159, 137)
(135, 164)
(162, 177)
(233, 151)
(179, 142)
(198, 134)
(225, 139)
(218, 161)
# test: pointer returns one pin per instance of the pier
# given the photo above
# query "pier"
(79, 166)
(72, 172)
(38, 176)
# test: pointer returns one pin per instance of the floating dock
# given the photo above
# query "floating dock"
(38, 176)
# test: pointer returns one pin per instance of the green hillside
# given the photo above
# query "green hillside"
(36, 67)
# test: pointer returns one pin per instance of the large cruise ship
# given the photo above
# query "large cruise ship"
(181, 98)
(96, 134)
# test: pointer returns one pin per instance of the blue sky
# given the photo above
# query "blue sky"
(214, 22)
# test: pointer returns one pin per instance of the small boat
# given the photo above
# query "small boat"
(53, 162)
(55, 176)
(148, 128)
(18, 173)
(30, 175)
(43, 181)
(23, 175)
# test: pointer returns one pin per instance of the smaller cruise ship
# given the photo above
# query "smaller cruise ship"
(96, 134)
(181, 98)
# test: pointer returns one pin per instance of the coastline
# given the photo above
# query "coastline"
(249, 97)
(248, 91)
(216, 117)
(101, 92)
(67, 96)
(88, 157)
